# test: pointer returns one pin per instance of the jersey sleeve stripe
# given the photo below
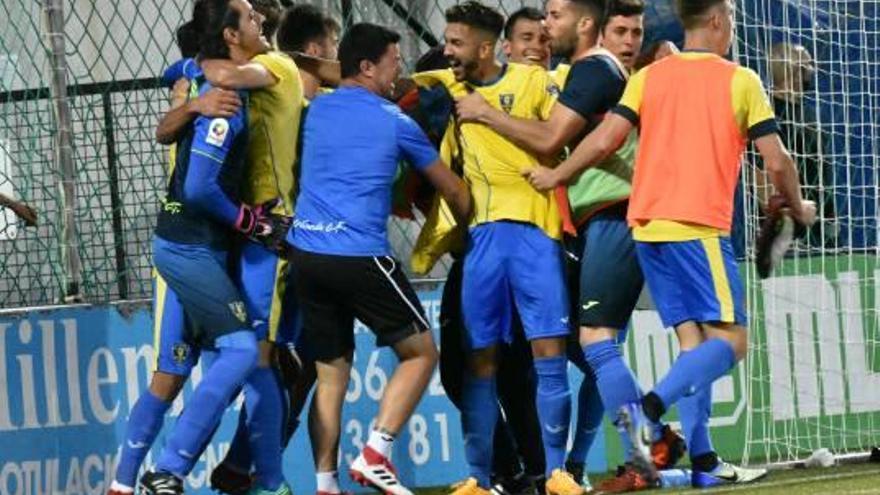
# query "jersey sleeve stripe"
(207, 155)
(763, 128)
(627, 113)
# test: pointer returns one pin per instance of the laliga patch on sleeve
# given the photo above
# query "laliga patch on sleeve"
(217, 131)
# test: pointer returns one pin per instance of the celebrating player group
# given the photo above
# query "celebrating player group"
(560, 192)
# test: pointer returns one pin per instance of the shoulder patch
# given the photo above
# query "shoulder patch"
(217, 131)
(553, 89)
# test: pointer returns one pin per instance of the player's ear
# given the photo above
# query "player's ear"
(367, 67)
(230, 36)
(585, 24)
(313, 49)
(505, 46)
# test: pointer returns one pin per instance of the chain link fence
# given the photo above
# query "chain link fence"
(93, 235)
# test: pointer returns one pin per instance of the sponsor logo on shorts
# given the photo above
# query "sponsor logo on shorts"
(589, 304)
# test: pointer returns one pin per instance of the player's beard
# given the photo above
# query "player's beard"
(463, 69)
(564, 46)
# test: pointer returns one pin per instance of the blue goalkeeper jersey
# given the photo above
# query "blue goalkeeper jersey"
(201, 204)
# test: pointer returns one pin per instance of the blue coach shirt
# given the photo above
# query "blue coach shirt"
(353, 140)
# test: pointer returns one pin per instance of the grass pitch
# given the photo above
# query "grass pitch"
(860, 479)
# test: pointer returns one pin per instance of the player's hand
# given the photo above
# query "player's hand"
(179, 92)
(806, 214)
(218, 102)
(472, 108)
(543, 178)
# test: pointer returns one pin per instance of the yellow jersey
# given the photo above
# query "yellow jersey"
(493, 164)
(273, 123)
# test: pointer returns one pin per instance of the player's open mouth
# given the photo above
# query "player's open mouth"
(534, 58)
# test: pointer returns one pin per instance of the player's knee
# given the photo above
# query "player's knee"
(239, 349)
(166, 386)
(549, 347)
(482, 363)
(592, 335)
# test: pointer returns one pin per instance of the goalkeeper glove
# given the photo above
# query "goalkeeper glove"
(259, 224)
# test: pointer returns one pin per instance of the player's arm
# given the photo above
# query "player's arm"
(451, 188)
(763, 130)
(328, 71)
(228, 74)
(216, 102)
(783, 174)
(541, 137)
(417, 149)
(604, 140)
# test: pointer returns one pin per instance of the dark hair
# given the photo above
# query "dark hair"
(690, 11)
(525, 13)
(592, 8)
(625, 8)
(478, 16)
(301, 25)
(271, 10)
(214, 16)
(187, 38)
(361, 42)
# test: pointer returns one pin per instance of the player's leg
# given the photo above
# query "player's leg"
(486, 308)
(200, 279)
(322, 285)
(537, 278)
(453, 353)
(588, 420)
(261, 277)
(516, 391)
(714, 297)
(175, 359)
(385, 301)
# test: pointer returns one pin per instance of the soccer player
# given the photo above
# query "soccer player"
(610, 278)
(525, 38)
(191, 248)
(306, 29)
(175, 353)
(513, 254)
(696, 112)
(353, 139)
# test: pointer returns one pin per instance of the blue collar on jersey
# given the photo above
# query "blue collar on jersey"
(491, 81)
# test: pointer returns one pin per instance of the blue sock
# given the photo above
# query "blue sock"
(479, 413)
(144, 423)
(554, 409)
(694, 411)
(617, 385)
(236, 358)
(695, 369)
(239, 454)
(589, 418)
(262, 398)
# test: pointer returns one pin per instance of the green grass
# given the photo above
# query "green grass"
(861, 479)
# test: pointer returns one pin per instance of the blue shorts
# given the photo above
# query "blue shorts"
(507, 265)
(694, 281)
(260, 274)
(610, 276)
(172, 332)
(199, 276)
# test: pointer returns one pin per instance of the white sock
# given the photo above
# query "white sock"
(328, 481)
(381, 442)
(119, 487)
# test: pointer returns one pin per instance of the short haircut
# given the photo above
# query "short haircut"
(331, 25)
(691, 11)
(214, 16)
(361, 42)
(625, 8)
(271, 10)
(301, 25)
(187, 38)
(525, 13)
(433, 59)
(593, 8)
(477, 16)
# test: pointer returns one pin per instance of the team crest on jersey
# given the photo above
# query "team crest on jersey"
(179, 352)
(217, 131)
(553, 89)
(506, 101)
(238, 310)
